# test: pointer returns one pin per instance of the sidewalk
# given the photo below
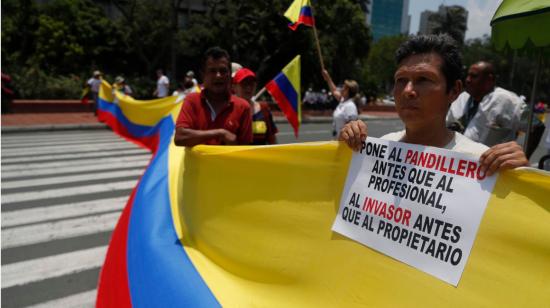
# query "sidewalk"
(24, 122)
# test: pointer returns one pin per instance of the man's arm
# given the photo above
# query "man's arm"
(190, 137)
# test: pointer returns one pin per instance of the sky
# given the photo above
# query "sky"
(480, 13)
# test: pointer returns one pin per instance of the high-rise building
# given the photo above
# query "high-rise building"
(388, 18)
(426, 27)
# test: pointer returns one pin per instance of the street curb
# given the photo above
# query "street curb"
(92, 126)
(51, 127)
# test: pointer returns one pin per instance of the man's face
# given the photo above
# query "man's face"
(246, 88)
(477, 82)
(217, 78)
(420, 90)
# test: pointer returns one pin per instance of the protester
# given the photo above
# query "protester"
(187, 86)
(163, 85)
(191, 76)
(214, 116)
(94, 83)
(234, 68)
(121, 86)
(427, 81)
(346, 110)
(486, 113)
(263, 127)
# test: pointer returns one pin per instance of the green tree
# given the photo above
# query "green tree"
(381, 64)
(257, 35)
(452, 22)
(147, 28)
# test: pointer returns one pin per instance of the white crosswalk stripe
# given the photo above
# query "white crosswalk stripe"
(35, 215)
(53, 165)
(54, 245)
(64, 192)
(69, 156)
(79, 300)
(53, 266)
(71, 178)
(106, 166)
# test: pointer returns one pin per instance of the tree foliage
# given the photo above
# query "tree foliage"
(452, 22)
(74, 37)
(50, 47)
(381, 64)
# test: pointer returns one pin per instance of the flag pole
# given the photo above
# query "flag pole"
(318, 47)
(255, 97)
(317, 42)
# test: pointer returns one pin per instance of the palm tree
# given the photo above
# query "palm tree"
(451, 21)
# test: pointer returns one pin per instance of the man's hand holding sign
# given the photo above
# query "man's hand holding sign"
(419, 195)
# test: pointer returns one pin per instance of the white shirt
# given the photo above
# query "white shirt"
(162, 86)
(459, 143)
(497, 120)
(94, 84)
(345, 111)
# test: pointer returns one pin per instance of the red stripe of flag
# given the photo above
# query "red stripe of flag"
(284, 104)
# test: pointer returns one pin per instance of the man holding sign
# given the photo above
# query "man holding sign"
(421, 201)
(427, 81)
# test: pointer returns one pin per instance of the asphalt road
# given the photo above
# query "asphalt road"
(62, 193)
(323, 131)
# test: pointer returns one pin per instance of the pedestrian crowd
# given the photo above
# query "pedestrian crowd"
(474, 114)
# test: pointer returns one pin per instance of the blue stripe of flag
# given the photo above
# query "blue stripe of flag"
(306, 11)
(288, 90)
(135, 129)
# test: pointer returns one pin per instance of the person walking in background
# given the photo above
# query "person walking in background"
(94, 83)
(191, 76)
(214, 116)
(263, 127)
(163, 85)
(486, 113)
(121, 86)
(346, 110)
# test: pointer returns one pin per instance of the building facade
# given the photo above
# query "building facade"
(388, 18)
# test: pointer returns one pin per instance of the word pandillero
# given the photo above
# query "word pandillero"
(441, 163)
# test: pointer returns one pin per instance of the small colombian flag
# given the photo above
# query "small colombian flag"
(285, 89)
(299, 13)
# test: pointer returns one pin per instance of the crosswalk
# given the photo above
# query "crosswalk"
(62, 194)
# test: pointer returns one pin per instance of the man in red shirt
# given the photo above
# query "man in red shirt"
(214, 116)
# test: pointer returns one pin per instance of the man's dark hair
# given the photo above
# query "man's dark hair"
(441, 44)
(215, 53)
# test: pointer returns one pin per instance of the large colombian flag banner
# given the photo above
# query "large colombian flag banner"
(251, 227)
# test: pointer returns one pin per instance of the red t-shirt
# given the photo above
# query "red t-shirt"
(234, 117)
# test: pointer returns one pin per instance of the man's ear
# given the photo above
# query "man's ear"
(455, 91)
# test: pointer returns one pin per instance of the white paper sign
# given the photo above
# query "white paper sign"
(420, 205)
